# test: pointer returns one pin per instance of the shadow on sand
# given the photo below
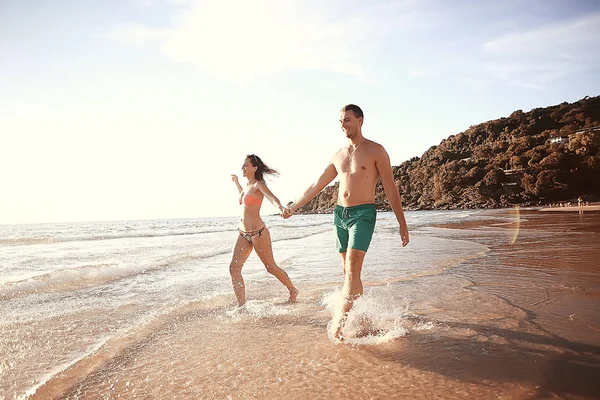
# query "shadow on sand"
(555, 366)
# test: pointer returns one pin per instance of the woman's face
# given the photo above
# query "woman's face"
(248, 169)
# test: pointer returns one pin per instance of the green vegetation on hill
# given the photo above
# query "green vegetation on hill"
(542, 156)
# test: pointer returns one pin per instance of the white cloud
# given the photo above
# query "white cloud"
(477, 84)
(581, 32)
(493, 52)
(242, 41)
(179, 2)
(425, 72)
(136, 34)
(540, 57)
(154, 3)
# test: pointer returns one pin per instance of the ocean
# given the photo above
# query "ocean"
(145, 309)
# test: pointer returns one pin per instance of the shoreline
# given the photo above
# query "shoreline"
(571, 208)
(594, 206)
(532, 345)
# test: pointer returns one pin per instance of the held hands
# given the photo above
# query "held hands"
(287, 211)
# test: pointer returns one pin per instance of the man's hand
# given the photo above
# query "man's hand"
(404, 234)
(282, 211)
(287, 213)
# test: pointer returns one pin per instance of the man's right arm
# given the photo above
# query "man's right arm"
(326, 177)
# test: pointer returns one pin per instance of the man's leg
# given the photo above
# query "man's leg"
(359, 237)
(339, 318)
(343, 259)
(352, 262)
(353, 287)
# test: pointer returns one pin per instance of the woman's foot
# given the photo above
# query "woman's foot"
(293, 295)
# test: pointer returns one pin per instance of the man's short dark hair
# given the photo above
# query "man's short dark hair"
(355, 109)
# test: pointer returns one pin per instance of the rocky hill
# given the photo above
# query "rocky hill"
(543, 156)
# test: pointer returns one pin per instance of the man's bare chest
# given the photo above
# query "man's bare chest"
(353, 163)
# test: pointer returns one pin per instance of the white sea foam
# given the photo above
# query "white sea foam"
(259, 309)
(139, 270)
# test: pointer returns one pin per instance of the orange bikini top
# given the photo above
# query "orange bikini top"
(250, 200)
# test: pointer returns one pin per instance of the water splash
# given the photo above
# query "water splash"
(375, 318)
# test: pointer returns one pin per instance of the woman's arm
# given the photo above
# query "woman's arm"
(269, 195)
(234, 178)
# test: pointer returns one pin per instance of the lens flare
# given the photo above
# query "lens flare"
(516, 230)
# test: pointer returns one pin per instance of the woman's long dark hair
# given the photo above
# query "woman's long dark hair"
(262, 168)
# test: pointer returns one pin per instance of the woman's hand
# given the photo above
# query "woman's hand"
(282, 211)
(235, 179)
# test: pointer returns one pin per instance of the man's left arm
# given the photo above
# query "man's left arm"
(384, 167)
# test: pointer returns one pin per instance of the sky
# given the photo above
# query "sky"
(142, 109)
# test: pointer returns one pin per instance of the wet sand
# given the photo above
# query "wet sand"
(574, 208)
(196, 355)
(520, 322)
(555, 281)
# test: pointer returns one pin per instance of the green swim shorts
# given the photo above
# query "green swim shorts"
(354, 226)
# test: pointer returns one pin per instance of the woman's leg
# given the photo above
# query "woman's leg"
(264, 249)
(241, 251)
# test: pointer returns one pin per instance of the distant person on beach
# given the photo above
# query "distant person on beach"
(358, 165)
(253, 234)
(580, 204)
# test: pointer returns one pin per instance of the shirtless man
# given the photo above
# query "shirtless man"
(359, 166)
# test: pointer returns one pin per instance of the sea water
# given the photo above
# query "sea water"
(69, 290)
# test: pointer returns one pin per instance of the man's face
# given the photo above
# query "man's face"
(349, 123)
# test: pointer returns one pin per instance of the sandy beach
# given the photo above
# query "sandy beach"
(555, 281)
(573, 208)
(518, 321)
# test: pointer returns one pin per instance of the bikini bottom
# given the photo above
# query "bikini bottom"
(248, 235)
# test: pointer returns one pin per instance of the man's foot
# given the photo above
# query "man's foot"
(293, 296)
(364, 332)
(336, 329)
(338, 334)
(367, 328)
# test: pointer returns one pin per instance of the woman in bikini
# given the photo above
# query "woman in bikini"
(253, 234)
